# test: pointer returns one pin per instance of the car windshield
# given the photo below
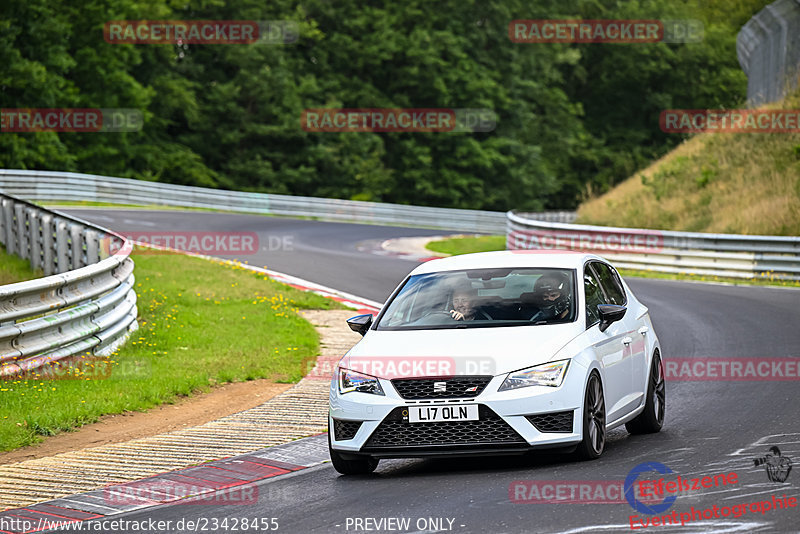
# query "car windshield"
(478, 298)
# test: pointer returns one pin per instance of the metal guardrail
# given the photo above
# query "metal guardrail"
(86, 302)
(729, 255)
(768, 47)
(50, 186)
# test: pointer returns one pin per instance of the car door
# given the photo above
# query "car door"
(612, 349)
(612, 287)
(607, 346)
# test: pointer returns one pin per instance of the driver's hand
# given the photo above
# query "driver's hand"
(458, 316)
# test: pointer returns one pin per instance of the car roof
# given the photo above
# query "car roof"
(565, 259)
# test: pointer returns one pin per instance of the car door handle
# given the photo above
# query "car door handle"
(626, 341)
(644, 330)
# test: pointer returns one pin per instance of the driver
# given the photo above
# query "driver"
(551, 293)
(464, 305)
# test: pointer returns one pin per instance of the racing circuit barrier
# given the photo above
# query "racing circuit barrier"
(739, 256)
(85, 303)
(768, 47)
(50, 186)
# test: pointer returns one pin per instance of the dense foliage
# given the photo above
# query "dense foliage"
(572, 118)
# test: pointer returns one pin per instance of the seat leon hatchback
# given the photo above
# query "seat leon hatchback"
(497, 353)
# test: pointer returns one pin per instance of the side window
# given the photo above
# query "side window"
(610, 283)
(594, 296)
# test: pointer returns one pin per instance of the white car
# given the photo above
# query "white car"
(497, 353)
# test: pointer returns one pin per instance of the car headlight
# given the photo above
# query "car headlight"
(548, 374)
(350, 381)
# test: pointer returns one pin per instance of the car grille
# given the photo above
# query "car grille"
(490, 429)
(552, 422)
(457, 386)
(343, 430)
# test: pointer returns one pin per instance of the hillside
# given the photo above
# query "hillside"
(726, 183)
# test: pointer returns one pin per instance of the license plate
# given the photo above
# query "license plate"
(442, 414)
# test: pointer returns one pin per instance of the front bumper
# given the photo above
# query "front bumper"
(510, 422)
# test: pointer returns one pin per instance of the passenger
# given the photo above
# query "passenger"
(551, 293)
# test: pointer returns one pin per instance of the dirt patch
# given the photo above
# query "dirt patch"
(196, 410)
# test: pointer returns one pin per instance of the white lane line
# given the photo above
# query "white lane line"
(102, 218)
(139, 222)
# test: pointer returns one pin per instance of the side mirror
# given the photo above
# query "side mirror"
(360, 323)
(610, 313)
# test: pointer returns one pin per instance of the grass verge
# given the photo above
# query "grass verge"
(467, 245)
(201, 324)
(14, 269)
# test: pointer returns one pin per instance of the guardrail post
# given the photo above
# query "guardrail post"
(22, 246)
(92, 247)
(62, 246)
(35, 234)
(2, 220)
(6, 220)
(76, 242)
(48, 245)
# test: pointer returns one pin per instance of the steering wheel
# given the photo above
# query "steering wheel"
(426, 319)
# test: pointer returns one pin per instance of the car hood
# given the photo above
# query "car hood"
(457, 352)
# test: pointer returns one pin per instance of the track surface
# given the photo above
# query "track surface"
(711, 427)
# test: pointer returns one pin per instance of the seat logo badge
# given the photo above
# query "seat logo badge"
(439, 387)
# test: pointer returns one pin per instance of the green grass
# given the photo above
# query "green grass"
(765, 281)
(14, 269)
(202, 323)
(467, 245)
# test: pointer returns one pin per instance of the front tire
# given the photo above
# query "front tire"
(652, 417)
(360, 466)
(594, 420)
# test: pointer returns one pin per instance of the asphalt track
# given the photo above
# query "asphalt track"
(711, 427)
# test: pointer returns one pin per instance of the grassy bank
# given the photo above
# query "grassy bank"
(726, 183)
(201, 324)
